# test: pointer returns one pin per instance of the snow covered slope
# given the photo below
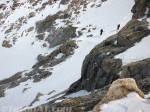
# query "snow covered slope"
(132, 103)
(139, 52)
(22, 55)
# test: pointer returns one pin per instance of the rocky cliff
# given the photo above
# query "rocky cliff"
(63, 37)
(100, 68)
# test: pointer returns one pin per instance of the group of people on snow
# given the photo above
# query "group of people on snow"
(101, 31)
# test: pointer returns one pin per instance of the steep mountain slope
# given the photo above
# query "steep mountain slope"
(48, 41)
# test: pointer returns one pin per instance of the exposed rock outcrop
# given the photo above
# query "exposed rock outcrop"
(41, 36)
(2, 92)
(60, 35)
(30, 29)
(6, 44)
(37, 74)
(119, 89)
(140, 8)
(77, 104)
(31, 14)
(50, 60)
(138, 70)
(144, 85)
(36, 98)
(15, 80)
(99, 67)
(48, 23)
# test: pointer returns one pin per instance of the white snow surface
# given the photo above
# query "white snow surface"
(132, 103)
(138, 52)
(23, 55)
(79, 93)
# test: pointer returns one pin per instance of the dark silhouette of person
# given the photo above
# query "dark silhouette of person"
(101, 31)
(118, 26)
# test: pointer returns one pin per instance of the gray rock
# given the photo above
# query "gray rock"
(139, 8)
(77, 104)
(59, 36)
(144, 85)
(41, 36)
(138, 70)
(6, 44)
(31, 14)
(64, 2)
(50, 60)
(1, 16)
(99, 68)
(111, 66)
(13, 84)
(41, 75)
(44, 45)
(9, 29)
(30, 29)
(2, 92)
(48, 23)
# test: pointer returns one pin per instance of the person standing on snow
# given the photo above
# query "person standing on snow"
(118, 26)
(101, 31)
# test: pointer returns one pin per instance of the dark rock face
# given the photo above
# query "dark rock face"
(64, 2)
(138, 70)
(36, 74)
(99, 67)
(41, 75)
(59, 36)
(9, 83)
(77, 104)
(139, 8)
(50, 60)
(1, 15)
(6, 44)
(9, 30)
(32, 14)
(48, 23)
(2, 92)
(111, 66)
(41, 36)
(30, 29)
(145, 85)
(56, 36)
